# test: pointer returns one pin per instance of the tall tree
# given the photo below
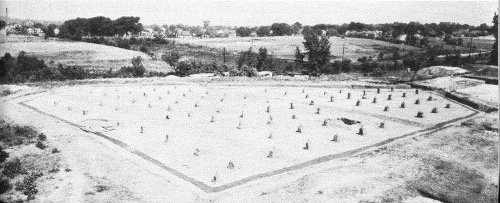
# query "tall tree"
(318, 52)
(262, 59)
(494, 52)
(281, 29)
(2, 24)
(100, 26)
(296, 27)
(263, 31)
(74, 29)
(49, 30)
(243, 31)
(299, 56)
(127, 24)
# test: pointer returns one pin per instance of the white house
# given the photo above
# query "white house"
(402, 37)
(30, 31)
(265, 74)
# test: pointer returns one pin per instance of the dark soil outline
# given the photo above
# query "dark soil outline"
(208, 189)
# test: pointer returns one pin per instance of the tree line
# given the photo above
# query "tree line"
(99, 26)
(389, 29)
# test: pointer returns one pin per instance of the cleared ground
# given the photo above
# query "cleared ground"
(455, 163)
(242, 131)
(284, 46)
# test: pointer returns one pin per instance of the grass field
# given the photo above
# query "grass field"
(209, 127)
(284, 47)
(88, 55)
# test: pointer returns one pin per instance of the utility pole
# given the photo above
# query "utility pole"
(342, 62)
(6, 19)
(252, 44)
(224, 55)
(470, 47)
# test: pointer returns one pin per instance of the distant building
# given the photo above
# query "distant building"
(30, 31)
(13, 29)
(147, 33)
(401, 38)
(39, 32)
(372, 34)
(180, 33)
(225, 33)
(265, 74)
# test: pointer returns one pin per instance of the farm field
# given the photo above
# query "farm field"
(88, 55)
(240, 134)
(284, 46)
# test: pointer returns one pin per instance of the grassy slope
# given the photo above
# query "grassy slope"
(28, 163)
(284, 46)
(88, 55)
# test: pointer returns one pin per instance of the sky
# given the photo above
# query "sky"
(257, 12)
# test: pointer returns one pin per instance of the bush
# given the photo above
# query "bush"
(124, 44)
(40, 145)
(13, 168)
(4, 185)
(144, 49)
(72, 73)
(171, 58)
(136, 70)
(183, 69)
(139, 69)
(42, 137)
(16, 135)
(3, 155)
(27, 68)
(234, 72)
(248, 71)
(378, 72)
(28, 185)
(248, 58)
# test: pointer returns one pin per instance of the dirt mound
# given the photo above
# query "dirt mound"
(490, 71)
(440, 71)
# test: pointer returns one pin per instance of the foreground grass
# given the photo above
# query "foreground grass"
(459, 164)
(24, 159)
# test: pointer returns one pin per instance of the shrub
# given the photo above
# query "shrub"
(183, 69)
(13, 168)
(3, 155)
(139, 69)
(122, 43)
(248, 58)
(136, 70)
(4, 185)
(16, 135)
(42, 137)
(72, 73)
(171, 58)
(28, 185)
(144, 49)
(377, 72)
(248, 71)
(55, 150)
(40, 145)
